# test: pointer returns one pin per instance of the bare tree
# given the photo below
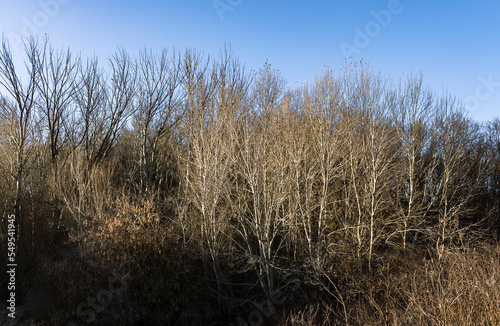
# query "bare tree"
(55, 87)
(303, 170)
(493, 180)
(122, 89)
(205, 158)
(458, 178)
(260, 167)
(210, 123)
(198, 95)
(104, 107)
(371, 157)
(316, 178)
(328, 147)
(412, 113)
(90, 99)
(18, 113)
(159, 108)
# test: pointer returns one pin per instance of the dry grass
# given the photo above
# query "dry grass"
(404, 288)
(461, 289)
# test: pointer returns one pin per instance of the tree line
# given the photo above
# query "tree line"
(264, 180)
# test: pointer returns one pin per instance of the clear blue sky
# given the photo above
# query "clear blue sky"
(456, 44)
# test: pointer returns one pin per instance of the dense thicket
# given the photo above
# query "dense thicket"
(215, 187)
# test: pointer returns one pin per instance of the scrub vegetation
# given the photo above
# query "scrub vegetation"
(199, 190)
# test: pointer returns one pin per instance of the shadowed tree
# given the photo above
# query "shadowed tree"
(103, 106)
(56, 84)
(158, 110)
(17, 112)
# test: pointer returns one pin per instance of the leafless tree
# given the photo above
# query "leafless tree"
(55, 87)
(458, 178)
(104, 107)
(90, 100)
(260, 168)
(493, 180)
(412, 113)
(17, 114)
(370, 157)
(316, 186)
(159, 109)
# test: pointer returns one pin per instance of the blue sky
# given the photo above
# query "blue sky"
(456, 44)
